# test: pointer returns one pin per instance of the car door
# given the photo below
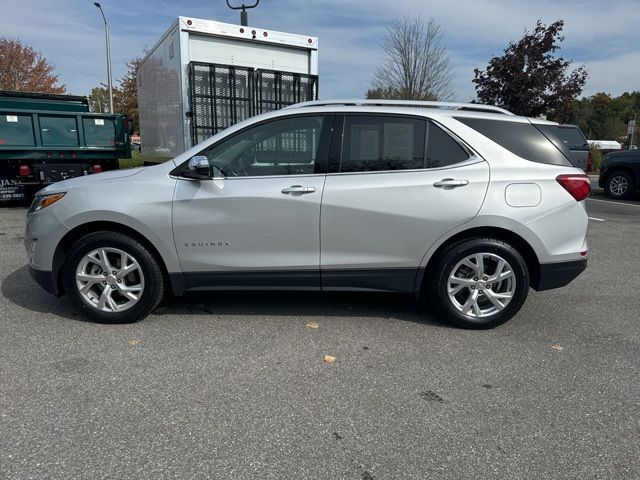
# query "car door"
(398, 185)
(255, 224)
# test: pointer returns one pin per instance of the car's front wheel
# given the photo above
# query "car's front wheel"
(478, 283)
(619, 185)
(113, 278)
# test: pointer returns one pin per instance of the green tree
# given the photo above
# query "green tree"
(529, 79)
(99, 100)
(24, 69)
(603, 117)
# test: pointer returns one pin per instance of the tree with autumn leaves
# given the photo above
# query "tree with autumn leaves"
(529, 79)
(24, 69)
(125, 95)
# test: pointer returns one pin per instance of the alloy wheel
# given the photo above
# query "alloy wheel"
(110, 280)
(481, 285)
(618, 185)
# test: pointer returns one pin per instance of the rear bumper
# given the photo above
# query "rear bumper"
(46, 280)
(556, 275)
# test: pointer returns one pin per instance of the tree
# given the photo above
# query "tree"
(125, 95)
(99, 100)
(24, 69)
(415, 63)
(603, 117)
(529, 80)
(126, 101)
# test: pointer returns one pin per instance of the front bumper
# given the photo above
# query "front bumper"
(46, 280)
(556, 275)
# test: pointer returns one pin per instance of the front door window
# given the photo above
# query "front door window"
(282, 147)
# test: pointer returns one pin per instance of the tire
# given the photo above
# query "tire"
(122, 295)
(459, 307)
(619, 185)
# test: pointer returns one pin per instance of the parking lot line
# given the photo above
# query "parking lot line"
(614, 203)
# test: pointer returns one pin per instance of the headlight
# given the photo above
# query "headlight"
(43, 201)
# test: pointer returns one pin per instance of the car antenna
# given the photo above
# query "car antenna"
(244, 16)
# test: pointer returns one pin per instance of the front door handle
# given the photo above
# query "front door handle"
(298, 190)
(448, 183)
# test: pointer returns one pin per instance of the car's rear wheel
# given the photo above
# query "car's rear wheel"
(478, 283)
(619, 185)
(113, 278)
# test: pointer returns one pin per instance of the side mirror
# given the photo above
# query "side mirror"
(198, 168)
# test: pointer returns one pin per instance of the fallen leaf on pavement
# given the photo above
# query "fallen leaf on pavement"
(557, 347)
(313, 325)
(329, 359)
(134, 341)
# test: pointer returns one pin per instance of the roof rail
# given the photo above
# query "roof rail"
(471, 107)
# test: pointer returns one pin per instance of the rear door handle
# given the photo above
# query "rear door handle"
(448, 183)
(298, 190)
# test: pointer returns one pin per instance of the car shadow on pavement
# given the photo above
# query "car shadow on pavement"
(19, 288)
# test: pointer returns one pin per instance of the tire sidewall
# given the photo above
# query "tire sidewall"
(148, 265)
(450, 259)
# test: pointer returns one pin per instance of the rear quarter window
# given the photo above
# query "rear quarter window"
(521, 139)
(572, 136)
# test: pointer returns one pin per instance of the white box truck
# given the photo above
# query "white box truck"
(204, 76)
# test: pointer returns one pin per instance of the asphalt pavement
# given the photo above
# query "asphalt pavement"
(234, 385)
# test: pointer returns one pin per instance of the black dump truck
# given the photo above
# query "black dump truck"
(45, 138)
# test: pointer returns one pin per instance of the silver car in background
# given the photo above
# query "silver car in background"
(466, 206)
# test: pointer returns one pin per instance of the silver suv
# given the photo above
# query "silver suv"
(464, 205)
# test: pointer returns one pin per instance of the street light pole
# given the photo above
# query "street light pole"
(106, 33)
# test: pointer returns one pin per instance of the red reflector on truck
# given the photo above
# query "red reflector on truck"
(25, 171)
(578, 186)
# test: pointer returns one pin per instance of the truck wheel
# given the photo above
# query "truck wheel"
(112, 278)
(478, 283)
(619, 185)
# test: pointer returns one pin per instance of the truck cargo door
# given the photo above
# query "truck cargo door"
(220, 96)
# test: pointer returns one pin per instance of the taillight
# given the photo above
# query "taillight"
(97, 169)
(589, 162)
(578, 186)
(24, 170)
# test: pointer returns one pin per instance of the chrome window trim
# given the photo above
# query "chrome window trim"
(472, 160)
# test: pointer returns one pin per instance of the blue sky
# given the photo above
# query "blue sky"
(605, 36)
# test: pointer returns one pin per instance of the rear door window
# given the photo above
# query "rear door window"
(59, 131)
(522, 139)
(382, 143)
(16, 130)
(99, 132)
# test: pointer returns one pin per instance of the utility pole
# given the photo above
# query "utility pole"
(633, 129)
(106, 33)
